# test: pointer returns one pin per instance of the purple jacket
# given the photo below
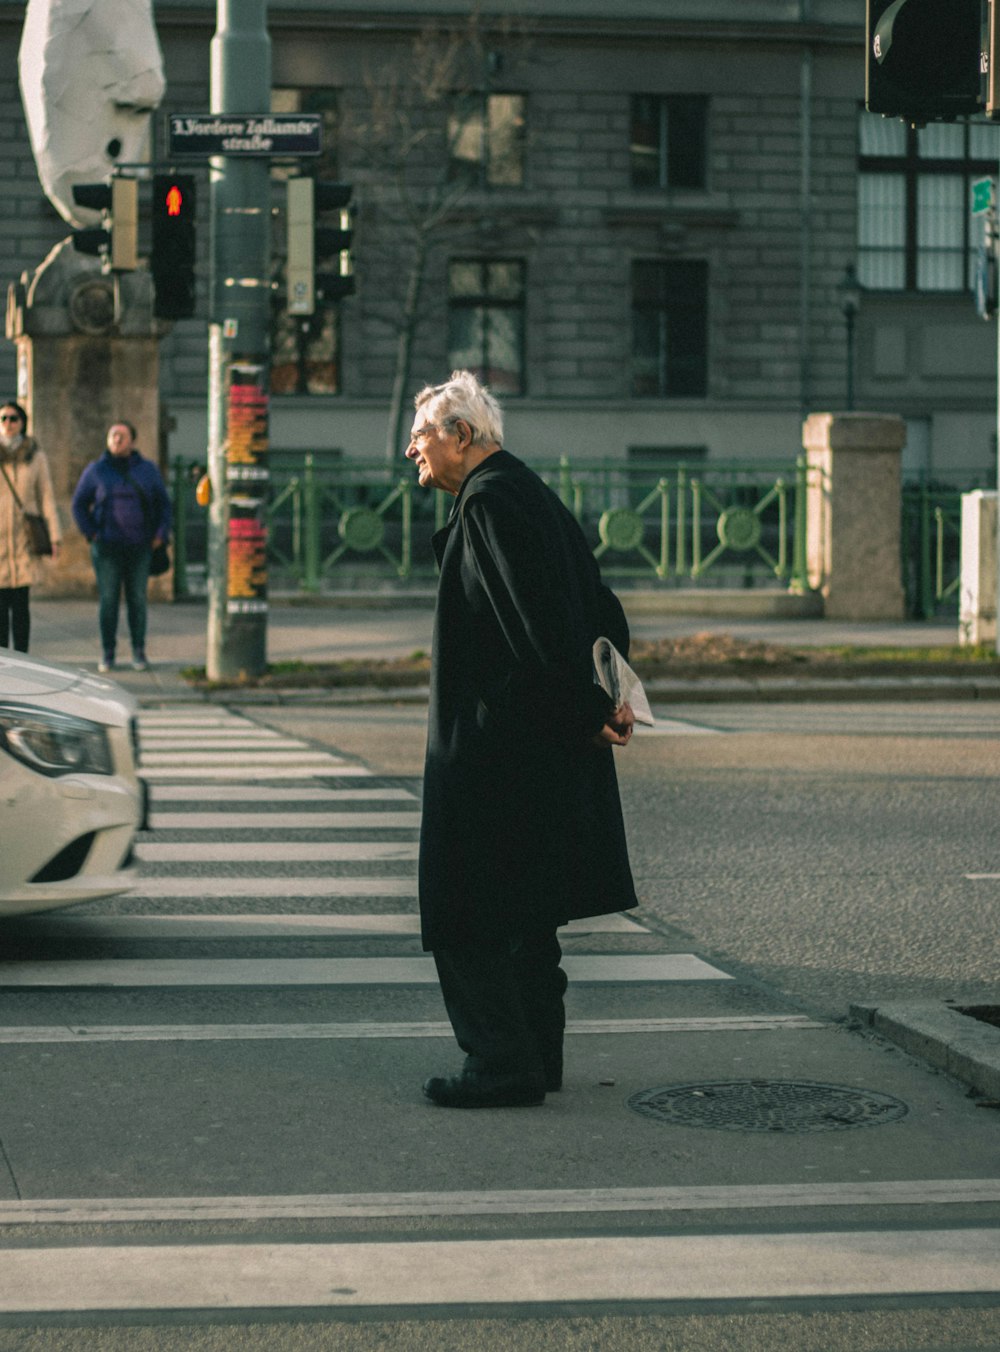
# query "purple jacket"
(122, 502)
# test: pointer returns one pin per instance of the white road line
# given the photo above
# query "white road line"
(288, 885)
(297, 1032)
(261, 793)
(286, 852)
(143, 972)
(983, 877)
(239, 772)
(515, 1202)
(499, 1271)
(156, 747)
(257, 758)
(285, 821)
(258, 926)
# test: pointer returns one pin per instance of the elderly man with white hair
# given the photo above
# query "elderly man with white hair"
(522, 823)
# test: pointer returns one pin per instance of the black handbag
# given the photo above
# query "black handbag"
(39, 540)
(159, 561)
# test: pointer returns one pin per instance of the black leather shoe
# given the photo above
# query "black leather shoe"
(486, 1089)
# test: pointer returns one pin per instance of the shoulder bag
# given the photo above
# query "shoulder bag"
(39, 540)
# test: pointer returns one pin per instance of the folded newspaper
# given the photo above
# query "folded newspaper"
(614, 675)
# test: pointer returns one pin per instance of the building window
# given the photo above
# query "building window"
(668, 139)
(486, 321)
(305, 351)
(915, 230)
(669, 328)
(486, 140)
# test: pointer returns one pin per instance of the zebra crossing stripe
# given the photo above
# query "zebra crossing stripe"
(354, 1032)
(436, 1273)
(285, 886)
(285, 821)
(265, 770)
(262, 793)
(282, 852)
(500, 1202)
(378, 971)
(255, 926)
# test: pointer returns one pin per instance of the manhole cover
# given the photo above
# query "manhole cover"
(768, 1105)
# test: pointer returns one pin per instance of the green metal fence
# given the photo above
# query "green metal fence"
(336, 523)
(932, 542)
(342, 523)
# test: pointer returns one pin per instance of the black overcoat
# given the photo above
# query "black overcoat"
(522, 821)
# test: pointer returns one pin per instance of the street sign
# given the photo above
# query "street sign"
(982, 195)
(258, 134)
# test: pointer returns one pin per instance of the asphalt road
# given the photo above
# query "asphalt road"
(211, 1132)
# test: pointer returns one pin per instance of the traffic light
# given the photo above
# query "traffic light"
(319, 265)
(173, 246)
(923, 59)
(117, 237)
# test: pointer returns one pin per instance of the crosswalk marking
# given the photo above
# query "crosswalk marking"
(124, 972)
(502, 1202)
(275, 926)
(268, 793)
(284, 821)
(238, 771)
(495, 1271)
(285, 886)
(297, 1032)
(258, 759)
(284, 852)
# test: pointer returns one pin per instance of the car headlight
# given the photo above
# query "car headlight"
(55, 744)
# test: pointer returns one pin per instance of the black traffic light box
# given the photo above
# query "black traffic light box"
(173, 248)
(117, 237)
(923, 58)
(318, 265)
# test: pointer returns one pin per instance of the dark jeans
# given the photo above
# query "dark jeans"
(121, 568)
(505, 1001)
(15, 619)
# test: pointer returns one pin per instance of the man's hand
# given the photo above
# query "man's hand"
(617, 731)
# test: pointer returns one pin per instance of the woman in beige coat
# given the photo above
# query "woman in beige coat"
(25, 467)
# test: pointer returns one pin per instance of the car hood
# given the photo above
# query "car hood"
(52, 685)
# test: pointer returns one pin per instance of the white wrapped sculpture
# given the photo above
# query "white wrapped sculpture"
(91, 75)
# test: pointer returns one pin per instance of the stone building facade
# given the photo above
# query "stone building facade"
(648, 251)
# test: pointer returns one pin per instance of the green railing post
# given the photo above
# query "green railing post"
(800, 568)
(681, 526)
(311, 543)
(925, 602)
(182, 486)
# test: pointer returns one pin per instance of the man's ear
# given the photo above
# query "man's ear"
(464, 433)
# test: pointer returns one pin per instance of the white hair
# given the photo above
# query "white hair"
(462, 396)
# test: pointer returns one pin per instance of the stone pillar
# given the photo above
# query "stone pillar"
(87, 354)
(977, 617)
(854, 509)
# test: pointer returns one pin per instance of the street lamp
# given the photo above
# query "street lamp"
(849, 294)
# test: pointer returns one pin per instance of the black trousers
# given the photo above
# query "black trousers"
(505, 1001)
(15, 618)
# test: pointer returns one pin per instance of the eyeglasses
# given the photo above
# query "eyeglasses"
(10, 417)
(425, 431)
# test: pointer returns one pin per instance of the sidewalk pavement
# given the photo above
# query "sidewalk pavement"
(332, 629)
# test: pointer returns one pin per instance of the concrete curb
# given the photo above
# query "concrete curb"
(936, 1033)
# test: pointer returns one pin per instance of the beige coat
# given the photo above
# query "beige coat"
(28, 470)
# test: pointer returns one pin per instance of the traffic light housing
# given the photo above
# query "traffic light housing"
(117, 237)
(319, 267)
(173, 246)
(923, 59)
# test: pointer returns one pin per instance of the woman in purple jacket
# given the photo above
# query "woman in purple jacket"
(121, 505)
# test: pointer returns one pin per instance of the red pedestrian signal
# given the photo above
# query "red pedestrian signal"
(173, 251)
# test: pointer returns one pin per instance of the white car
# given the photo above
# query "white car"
(71, 800)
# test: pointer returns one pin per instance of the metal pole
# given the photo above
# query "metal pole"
(239, 354)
